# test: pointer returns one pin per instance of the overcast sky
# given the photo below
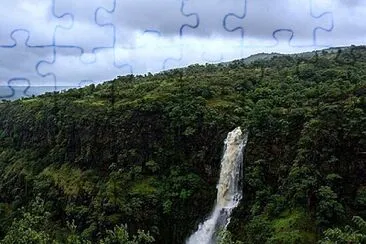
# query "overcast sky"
(70, 42)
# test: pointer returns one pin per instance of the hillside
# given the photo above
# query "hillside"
(145, 151)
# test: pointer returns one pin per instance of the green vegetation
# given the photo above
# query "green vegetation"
(136, 159)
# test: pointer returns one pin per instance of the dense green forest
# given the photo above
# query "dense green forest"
(137, 159)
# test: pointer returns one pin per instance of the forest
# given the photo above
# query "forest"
(136, 159)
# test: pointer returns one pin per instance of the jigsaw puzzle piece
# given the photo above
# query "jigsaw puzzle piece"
(82, 73)
(15, 88)
(149, 47)
(84, 33)
(35, 16)
(259, 21)
(321, 9)
(347, 16)
(18, 62)
(225, 45)
(139, 34)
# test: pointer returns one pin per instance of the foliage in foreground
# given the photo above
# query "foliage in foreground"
(347, 234)
(33, 225)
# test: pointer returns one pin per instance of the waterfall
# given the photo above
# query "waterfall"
(229, 191)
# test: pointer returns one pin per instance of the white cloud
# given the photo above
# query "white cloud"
(162, 46)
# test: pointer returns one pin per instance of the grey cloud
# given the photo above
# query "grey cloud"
(33, 16)
(352, 3)
(261, 19)
(261, 16)
(208, 41)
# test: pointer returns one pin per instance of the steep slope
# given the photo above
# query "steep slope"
(145, 150)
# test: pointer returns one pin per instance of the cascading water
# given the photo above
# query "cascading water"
(229, 191)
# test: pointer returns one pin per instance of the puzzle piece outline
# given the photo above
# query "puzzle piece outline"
(73, 47)
(70, 27)
(27, 45)
(146, 31)
(11, 87)
(198, 22)
(50, 45)
(54, 63)
(244, 13)
(185, 25)
(204, 53)
(191, 14)
(61, 17)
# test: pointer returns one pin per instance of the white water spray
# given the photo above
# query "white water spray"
(229, 191)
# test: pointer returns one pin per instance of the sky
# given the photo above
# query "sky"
(75, 43)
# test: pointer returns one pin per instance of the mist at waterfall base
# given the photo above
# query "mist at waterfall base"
(229, 190)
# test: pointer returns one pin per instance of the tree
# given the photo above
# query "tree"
(346, 235)
(31, 227)
(328, 208)
(119, 235)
